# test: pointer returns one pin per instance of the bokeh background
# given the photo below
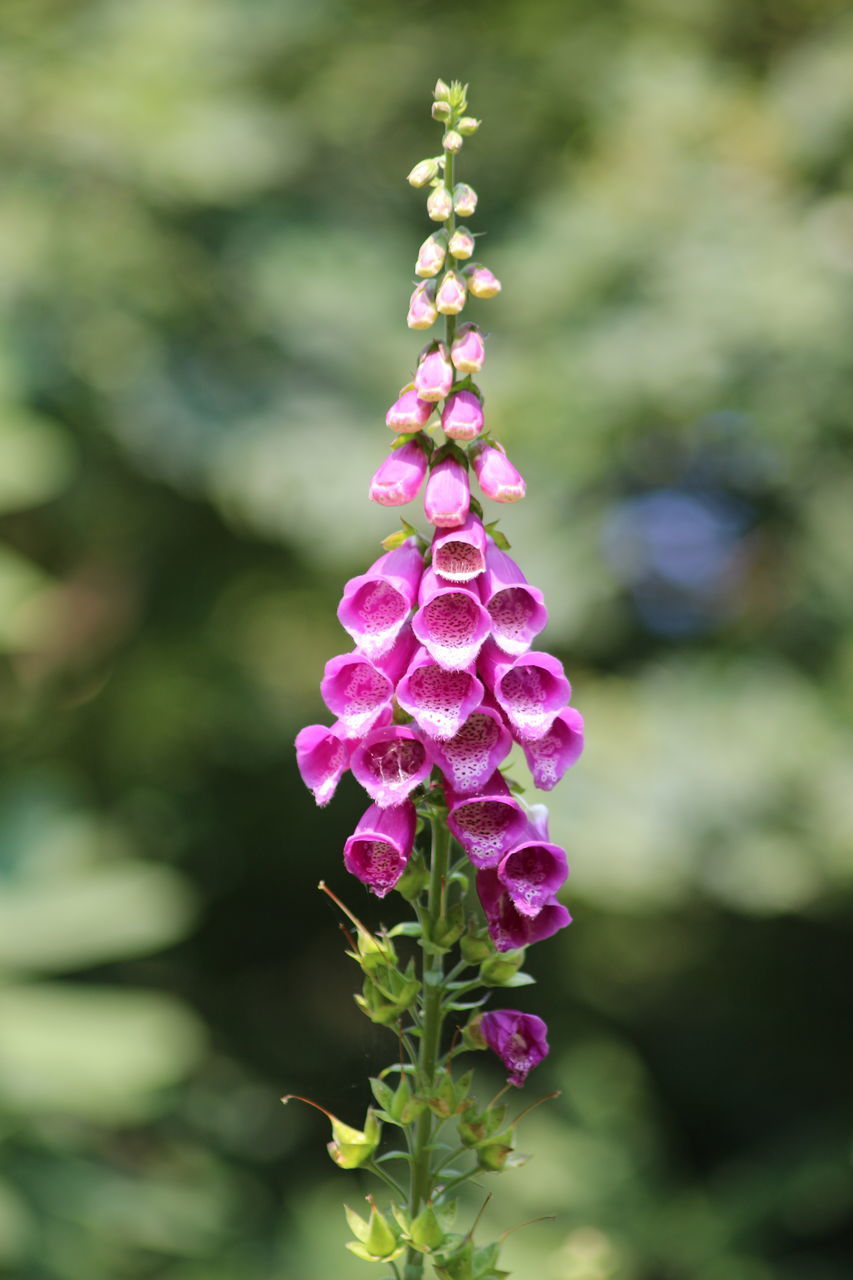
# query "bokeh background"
(206, 250)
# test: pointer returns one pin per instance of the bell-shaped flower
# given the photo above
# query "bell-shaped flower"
(468, 350)
(434, 374)
(488, 823)
(432, 254)
(399, 478)
(508, 928)
(439, 700)
(422, 312)
(375, 605)
(358, 691)
(519, 1039)
(530, 689)
(557, 750)
(451, 294)
(409, 413)
(464, 200)
(439, 204)
(516, 609)
(496, 476)
(469, 759)
(322, 758)
(390, 762)
(447, 497)
(532, 871)
(462, 416)
(461, 244)
(379, 848)
(450, 623)
(459, 555)
(481, 283)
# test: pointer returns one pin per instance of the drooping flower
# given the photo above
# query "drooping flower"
(422, 313)
(322, 758)
(462, 416)
(451, 294)
(358, 690)
(378, 850)
(450, 623)
(532, 871)
(390, 762)
(519, 1040)
(409, 413)
(447, 497)
(469, 758)
(496, 475)
(486, 824)
(557, 750)
(434, 374)
(375, 604)
(399, 478)
(439, 700)
(530, 689)
(468, 351)
(508, 928)
(459, 555)
(480, 280)
(516, 609)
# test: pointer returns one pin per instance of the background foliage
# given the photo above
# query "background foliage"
(205, 254)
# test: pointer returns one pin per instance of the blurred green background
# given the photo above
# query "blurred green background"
(206, 250)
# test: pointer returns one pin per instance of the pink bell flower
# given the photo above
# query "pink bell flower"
(434, 375)
(390, 762)
(531, 872)
(379, 849)
(447, 497)
(376, 604)
(516, 609)
(462, 416)
(422, 311)
(358, 691)
(399, 478)
(508, 928)
(409, 413)
(470, 757)
(432, 254)
(322, 758)
(496, 475)
(468, 352)
(439, 700)
(450, 623)
(488, 823)
(451, 295)
(530, 689)
(481, 283)
(557, 750)
(519, 1039)
(459, 555)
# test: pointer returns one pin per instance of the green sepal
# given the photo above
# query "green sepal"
(466, 1262)
(427, 1232)
(400, 536)
(414, 879)
(499, 968)
(520, 980)
(498, 536)
(405, 1107)
(373, 953)
(476, 945)
(406, 929)
(442, 934)
(451, 1099)
(477, 507)
(376, 1240)
(351, 1148)
(492, 1156)
(383, 1093)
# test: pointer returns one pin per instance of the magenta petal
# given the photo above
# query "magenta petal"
(486, 824)
(475, 751)
(378, 850)
(519, 1039)
(530, 690)
(358, 690)
(447, 497)
(409, 413)
(557, 750)
(516, 609)
(322, 757)
(496, 475)
(389, 763)
(462, 416)
(508, 928)
(398, 480)
(434, 375)
(468, 352)
(375, 605)
(440, 700)
(451, 623)
(532, 872)
(459, 555)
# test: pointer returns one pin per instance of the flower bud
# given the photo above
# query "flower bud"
(441, 111)
(409, 413)
(464, 199)
(462, 416)
(461, 243)
(441, 92)
(440, 204)
(450, 298)
(496, 475)
(481, 282)
(468, 352)
(432, 253)
(452, 141)
(422, 312)
(468, 125)
(434, 376)
(399, 478)
(447, 498)
(424, 171)
(376, 1240)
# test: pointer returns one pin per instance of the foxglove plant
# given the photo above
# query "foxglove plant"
(441, 681)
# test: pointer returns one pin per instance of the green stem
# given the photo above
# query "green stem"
(449, 321)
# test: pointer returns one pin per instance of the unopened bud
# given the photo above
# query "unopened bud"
(424, 171)
(434, 375)
(441, 111)
(462, 416)
(464, 199)
(440, 204)
(450, 298)
(468, 352)
(422, 309)
(441, 92)
(481, 282)
(452, 141)
(431, 254)
(468, 125)
(461, 243)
